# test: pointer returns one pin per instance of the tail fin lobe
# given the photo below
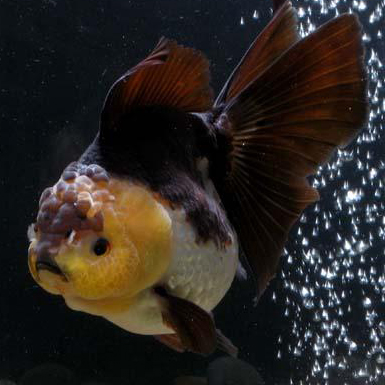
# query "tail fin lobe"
(280, 34)
(283, 126)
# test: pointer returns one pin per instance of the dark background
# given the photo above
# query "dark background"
(57, 60)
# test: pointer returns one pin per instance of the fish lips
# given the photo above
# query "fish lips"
(40, 260)
(48, 263)
(51, 266)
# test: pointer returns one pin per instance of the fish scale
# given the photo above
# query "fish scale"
(204, 271)
(199, 273)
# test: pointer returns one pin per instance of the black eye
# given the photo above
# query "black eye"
(101, 246)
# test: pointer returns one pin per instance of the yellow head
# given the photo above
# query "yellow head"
(97, 238)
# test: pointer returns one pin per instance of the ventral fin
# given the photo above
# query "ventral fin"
(283, 126)
(279, 35)
(172, 76)
(193, 326)
(172, 341)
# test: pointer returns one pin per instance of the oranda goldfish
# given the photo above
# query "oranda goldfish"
(145, 229)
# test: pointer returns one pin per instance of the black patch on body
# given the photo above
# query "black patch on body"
(159, 147)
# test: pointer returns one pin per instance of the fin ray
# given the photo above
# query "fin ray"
(172, 76)
(283, 126)
(275, 39)
(194, 327)
(172, 341)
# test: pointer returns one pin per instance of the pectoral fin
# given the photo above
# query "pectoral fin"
(194, 327)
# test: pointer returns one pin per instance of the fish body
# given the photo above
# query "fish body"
(199, 274)
(146, 227)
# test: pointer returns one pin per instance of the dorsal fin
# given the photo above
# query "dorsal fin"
(172, 76)
(279, 35)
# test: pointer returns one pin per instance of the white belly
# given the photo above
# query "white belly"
(200, 273)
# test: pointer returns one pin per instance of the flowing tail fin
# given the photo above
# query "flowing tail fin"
(279, 35)
(277, 4)
(281, 125)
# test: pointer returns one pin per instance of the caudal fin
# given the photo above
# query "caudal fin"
(277, 4)
(279, 35)
(283, 125)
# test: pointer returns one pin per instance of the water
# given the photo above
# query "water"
(321, 320)
(342, 258)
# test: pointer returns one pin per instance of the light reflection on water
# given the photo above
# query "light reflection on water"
(334, 270)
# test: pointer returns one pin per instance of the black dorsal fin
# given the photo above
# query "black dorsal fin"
(279, 35)
(172, 76)
(283, 126)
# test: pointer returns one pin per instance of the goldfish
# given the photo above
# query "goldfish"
(146, 227)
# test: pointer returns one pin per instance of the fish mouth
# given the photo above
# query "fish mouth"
(52, 267)
(48, 266)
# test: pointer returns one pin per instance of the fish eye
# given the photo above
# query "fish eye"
(101, 246)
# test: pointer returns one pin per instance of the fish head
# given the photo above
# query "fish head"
(98, 237)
